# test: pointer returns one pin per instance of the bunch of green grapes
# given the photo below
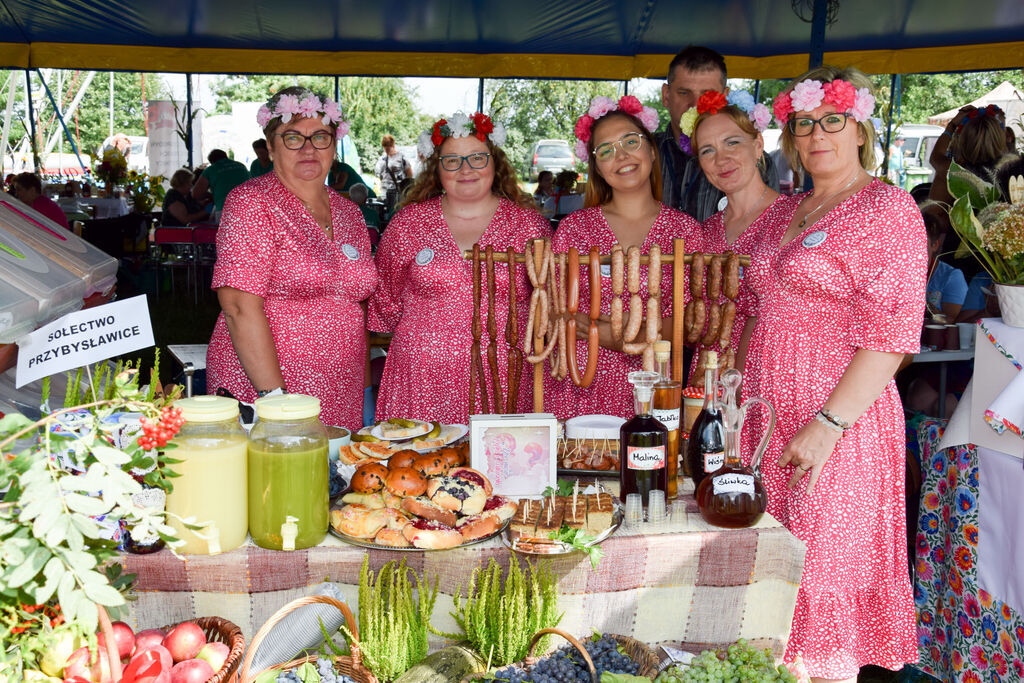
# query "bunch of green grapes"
(738, 663)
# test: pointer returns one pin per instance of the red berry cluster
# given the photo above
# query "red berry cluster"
(51, 612)
(156, 433)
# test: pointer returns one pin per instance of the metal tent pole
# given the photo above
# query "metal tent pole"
(818, 24)
(31, 120)
(188, 118)
(480, 96)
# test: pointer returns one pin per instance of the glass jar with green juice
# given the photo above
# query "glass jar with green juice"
(288, 475)
(212, 448)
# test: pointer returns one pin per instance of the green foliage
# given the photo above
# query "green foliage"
(981, 222)
(392, 624)
(499, 618)
(541, 110)
(372, 106)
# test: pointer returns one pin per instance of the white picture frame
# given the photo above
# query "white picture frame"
(518, 453)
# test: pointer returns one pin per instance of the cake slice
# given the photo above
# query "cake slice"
(599, 512)
(550, 518)
(575, 516)
(524, 522)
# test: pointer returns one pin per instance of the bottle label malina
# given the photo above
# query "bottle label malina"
(645, 457)
(668, 417)
(733, 483)
(713, 460)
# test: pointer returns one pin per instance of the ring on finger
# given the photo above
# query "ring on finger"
(803, 468)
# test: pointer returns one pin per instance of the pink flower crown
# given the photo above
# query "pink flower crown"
(460, 125)
(810, 94)
(287, 107)
(599, 106)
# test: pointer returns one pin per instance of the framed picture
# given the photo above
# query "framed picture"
(516, 452)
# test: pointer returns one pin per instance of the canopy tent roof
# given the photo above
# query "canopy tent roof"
(607, 39)
(1005, 96)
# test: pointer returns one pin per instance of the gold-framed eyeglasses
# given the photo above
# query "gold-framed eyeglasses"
(629, 143)
(830, 123)
(453, 162)
(320, 139)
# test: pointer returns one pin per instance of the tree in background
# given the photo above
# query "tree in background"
(91, 125)
(372, 106)
(541, 110)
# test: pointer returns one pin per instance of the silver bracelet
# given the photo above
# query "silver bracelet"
(828, 423)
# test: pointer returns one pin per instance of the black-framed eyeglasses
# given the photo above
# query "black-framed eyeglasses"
(320, 139)
(630, 142)
(830, 123)
(477, 160)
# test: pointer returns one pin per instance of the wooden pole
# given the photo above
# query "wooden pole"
(538, 344)
(678, 299)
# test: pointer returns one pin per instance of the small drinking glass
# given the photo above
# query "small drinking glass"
(677, 515)
(634, 510)
(656, 507)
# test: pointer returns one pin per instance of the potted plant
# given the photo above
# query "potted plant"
(145, 191)
(111, 170)
(992, 230)
(58, 574)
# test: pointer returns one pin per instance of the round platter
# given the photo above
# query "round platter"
(421, 427)
(364, 543)
(557, 547)
(450, 433)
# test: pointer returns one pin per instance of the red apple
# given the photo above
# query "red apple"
(80, 665)
(150, 666)
(151, 636)
(123, 636)
(192, 671)
(77, 679)
(215, 653)
(184, 641)
(166, 661)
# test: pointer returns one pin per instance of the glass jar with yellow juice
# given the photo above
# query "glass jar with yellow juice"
(288, 475)
(212, 489)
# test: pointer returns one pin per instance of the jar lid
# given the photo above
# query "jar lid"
(593, 427)
(207, 408)
(287, 407)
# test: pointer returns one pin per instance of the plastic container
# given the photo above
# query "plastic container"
(288, 475)
(18, 313)
(92, 265)
(57, 290)
(213, 482)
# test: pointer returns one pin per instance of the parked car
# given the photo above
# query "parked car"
(918, 141)
(548, 155)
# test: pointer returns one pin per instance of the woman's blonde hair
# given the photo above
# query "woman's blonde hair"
(738, 116)
(827, 74)
(505, 184)
(180, 177)
(599, 192)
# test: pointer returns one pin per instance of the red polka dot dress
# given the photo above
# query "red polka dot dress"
(713, 233)
(425, 298)
(270, 245)
(853, 280)
(610, 393)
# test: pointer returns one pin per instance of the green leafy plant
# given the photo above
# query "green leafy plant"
(146, 191)
(393, 625)
(499, 618)
(579, 540)
(990, 230)
(56, 567)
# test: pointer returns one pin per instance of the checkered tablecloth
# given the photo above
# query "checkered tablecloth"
(688, 584)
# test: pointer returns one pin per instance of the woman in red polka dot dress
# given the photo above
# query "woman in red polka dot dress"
(466, 194)
(840, 294)
(293, 266)
(623, 206)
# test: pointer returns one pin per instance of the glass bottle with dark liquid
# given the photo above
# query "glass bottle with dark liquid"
(733, 496)
(668, 396)
(705, 448)
(643, 447)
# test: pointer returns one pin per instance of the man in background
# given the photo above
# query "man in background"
(220, 177)
(262, 163)
(691, 73)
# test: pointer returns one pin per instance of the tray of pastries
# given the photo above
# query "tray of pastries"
(419, 501)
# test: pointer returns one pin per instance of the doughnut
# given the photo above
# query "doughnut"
(431, 465)
(369, 478)
(422, 506)
(403, 458)
(451, 456)
(424, 533)
(405, 481)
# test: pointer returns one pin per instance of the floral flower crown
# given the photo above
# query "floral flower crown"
(599, 106)
(288, 106)
(712, 102)
(458, 125)
(810, 94)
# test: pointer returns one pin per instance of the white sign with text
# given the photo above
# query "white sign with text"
(84, 337)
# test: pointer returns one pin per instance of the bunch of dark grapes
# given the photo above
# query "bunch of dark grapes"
(566, 664)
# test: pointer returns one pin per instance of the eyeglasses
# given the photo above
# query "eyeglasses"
(629, 143)
(319, 140)
(453, 162)
(830, 123)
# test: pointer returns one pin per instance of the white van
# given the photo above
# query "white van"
(919, 140)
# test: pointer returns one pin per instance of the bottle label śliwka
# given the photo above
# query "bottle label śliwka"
(645, 457)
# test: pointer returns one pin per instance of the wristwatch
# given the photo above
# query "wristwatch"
(277, 391)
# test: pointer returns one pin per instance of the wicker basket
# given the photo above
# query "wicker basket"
(351, 664)
(218, 630)
(647, 661)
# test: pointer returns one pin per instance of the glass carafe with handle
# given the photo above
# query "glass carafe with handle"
(733, 496)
